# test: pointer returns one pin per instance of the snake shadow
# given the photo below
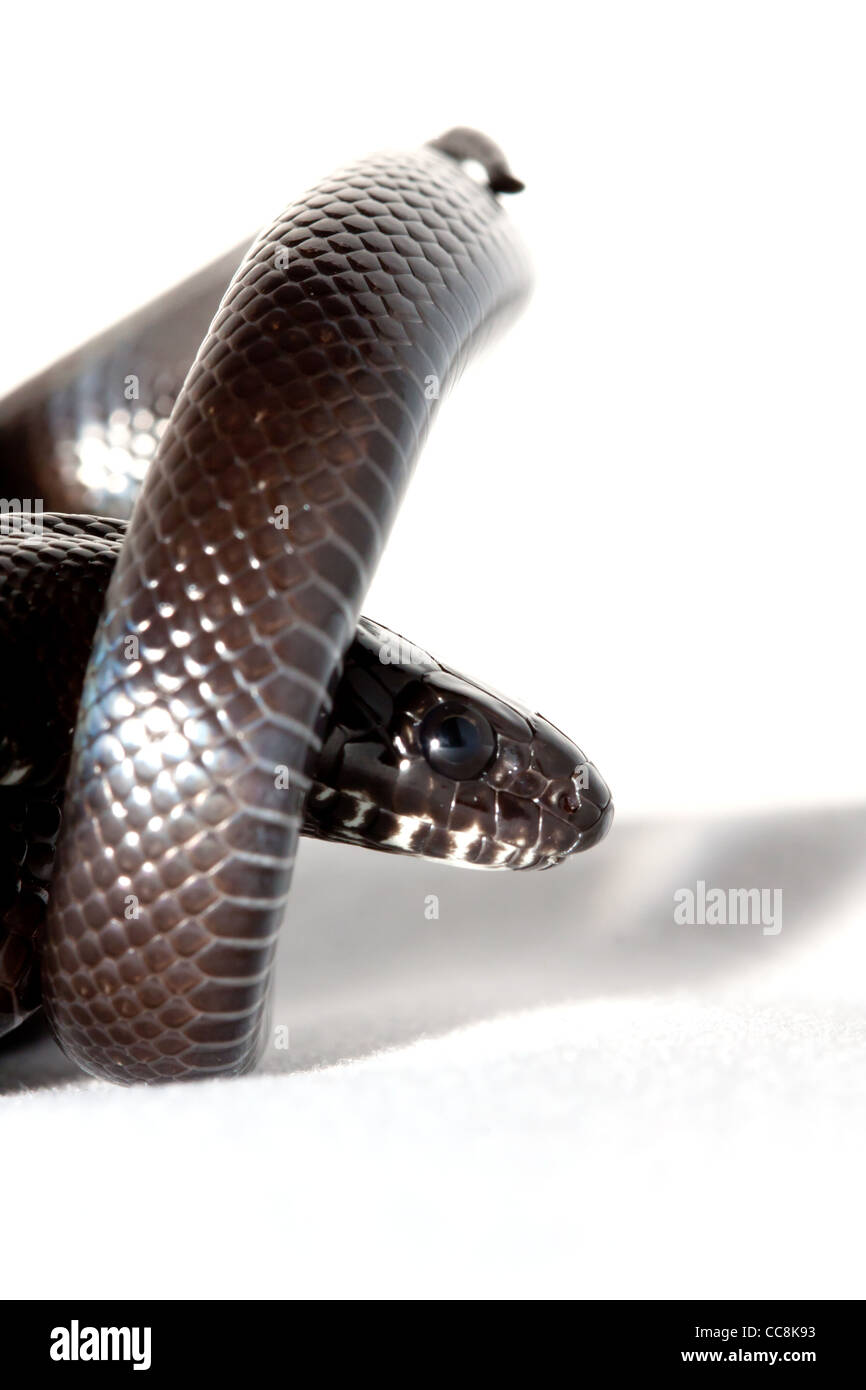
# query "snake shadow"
(378, 952)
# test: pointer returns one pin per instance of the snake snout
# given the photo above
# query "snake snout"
(597, 831)
(587, 802)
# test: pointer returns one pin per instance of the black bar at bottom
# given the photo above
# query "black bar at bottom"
(243, 1338)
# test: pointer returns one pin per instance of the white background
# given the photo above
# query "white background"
(642, 514)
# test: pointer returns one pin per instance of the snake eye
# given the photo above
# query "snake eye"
(456, 741)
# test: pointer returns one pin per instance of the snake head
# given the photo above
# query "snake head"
(422, 760)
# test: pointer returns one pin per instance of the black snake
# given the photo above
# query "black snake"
(226, 694)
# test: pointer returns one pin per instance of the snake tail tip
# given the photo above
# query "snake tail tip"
(462, 143)
(505, 182)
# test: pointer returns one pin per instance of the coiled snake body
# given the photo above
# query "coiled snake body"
(233, 697)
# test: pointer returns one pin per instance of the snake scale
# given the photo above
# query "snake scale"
(225, 693)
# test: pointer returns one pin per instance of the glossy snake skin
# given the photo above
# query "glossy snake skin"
(232, 698)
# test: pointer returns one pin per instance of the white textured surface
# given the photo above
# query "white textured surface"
(579, 1097)
(611, 1150)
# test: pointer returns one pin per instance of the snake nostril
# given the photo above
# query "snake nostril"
(569, 802)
